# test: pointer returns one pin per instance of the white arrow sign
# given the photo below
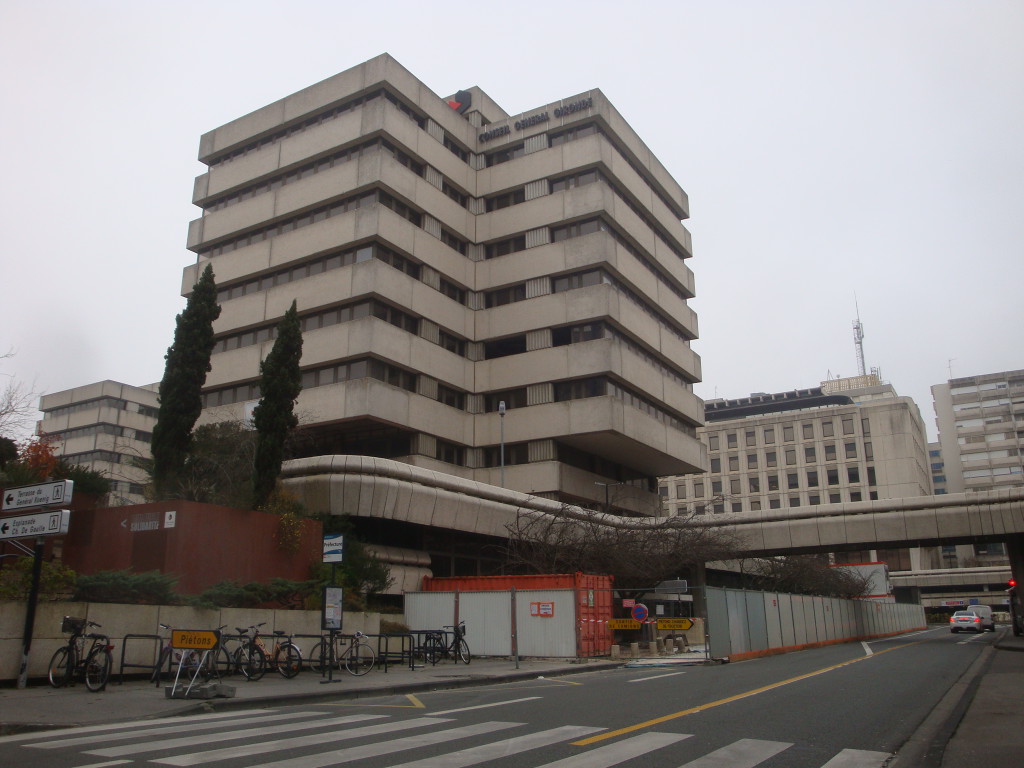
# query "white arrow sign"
(53, 523)
(40, 495)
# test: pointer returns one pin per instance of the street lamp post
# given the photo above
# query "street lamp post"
(501, 420)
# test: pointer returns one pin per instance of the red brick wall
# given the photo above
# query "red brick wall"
(201, 544)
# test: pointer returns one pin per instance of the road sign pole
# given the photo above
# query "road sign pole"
(30, 612)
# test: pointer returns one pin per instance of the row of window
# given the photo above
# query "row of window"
(293, 130)
(811, 478)
(103, 402)
(337, 259)
(103, 429)
(771, 458)
(390, 374)
(773, 502)
(90, 456)
(808, 430)
(318, 166)
(324, 319)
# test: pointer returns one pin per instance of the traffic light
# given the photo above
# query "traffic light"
(1011, 583)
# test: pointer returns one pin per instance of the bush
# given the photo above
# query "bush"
(280, 593)
(150, 588)
(56, 580)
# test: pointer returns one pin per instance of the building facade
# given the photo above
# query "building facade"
(503, 298)
(770, 453)
(104, 427)
(981, 436)
(981, 430)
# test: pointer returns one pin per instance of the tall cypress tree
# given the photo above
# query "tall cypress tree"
(274, 416)
(188, 362)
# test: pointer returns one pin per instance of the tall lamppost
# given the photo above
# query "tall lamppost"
(501, 421)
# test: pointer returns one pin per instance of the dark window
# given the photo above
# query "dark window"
(505, 247)
(506, 199)
(513, 345)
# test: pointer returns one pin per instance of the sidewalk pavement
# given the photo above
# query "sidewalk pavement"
(980, 721)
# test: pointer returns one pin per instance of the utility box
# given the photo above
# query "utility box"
(556, 614)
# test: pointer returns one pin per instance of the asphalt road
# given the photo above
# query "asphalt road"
(843, 706)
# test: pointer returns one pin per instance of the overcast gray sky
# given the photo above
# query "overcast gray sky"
(833, 152)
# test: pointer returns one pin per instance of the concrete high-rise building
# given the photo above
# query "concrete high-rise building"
(981, 436)
(824, 445)
(981, 430)
(447, 258)
(104, 427)
(772, 454)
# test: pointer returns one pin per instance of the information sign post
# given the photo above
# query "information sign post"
(40, 524)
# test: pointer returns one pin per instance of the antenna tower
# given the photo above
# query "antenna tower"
(858, 340)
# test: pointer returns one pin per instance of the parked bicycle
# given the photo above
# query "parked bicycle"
(357, 654)
(437, 645)
(251, 655)
(253, 658)
(214, 664)
(86, 655)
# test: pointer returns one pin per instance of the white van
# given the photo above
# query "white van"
(984, 612)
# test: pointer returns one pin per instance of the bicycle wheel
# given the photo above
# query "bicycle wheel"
(59, 668)
(97, 669)
(288, 660)
(318, 658)
(433, 649)
(360, 659)
(158, 670)
(251, 662)
(464, 651)
(220, 663)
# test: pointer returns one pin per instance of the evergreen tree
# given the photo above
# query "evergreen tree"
(188, 362)
(274, 416)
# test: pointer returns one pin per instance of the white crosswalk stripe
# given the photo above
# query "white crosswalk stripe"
(858, 758)
(211, 738)
(745, 753)
(496, 749)
(619, 751)
(244, 750)
(339, 756)
(189, 728)
(174, 742)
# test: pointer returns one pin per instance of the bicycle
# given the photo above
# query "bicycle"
(436, 645)
(358, 656)
(74, 659)
(286, 657)
(214, 665)
(251, 656)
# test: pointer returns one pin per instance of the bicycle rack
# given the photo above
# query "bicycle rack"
(150, 668)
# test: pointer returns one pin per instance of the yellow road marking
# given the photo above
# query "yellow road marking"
(728, 699)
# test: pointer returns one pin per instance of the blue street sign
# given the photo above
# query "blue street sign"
(639, 612)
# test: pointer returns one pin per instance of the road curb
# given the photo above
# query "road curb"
(925, 747)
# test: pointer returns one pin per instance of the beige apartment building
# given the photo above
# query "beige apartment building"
(981, 431)
(502, 298)
(104, 427)
(772, 454)
(981, 435)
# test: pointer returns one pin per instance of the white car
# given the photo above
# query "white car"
(969, 620)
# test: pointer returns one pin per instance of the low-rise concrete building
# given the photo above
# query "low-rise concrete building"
(104, 427)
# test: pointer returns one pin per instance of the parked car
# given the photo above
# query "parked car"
(978, 619)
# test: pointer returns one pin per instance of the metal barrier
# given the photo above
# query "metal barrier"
(150, 668)
(387, 655)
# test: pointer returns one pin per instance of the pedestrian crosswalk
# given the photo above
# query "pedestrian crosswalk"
(316, 739)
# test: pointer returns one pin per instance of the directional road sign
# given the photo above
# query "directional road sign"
(39, 495)
(52, 523)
